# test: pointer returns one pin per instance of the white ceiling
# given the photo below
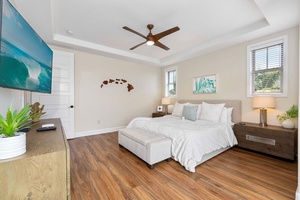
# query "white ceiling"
(205, 25)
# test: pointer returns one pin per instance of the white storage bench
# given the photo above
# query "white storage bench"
(149, 146)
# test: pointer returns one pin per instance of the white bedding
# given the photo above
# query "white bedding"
(190, 140)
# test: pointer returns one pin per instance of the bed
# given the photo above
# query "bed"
(199, 130)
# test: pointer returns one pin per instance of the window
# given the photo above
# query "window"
(170, 79)
(267, 68)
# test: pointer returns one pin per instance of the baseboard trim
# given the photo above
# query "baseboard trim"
(96, 132)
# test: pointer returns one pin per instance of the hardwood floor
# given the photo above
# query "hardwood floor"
(100, 169)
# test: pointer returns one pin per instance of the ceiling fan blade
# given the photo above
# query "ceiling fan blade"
(165, 33)
(133, 31)
(157, 43)
(137, 45)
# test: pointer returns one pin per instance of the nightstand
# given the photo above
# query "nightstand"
(158, 114)
(272, 140)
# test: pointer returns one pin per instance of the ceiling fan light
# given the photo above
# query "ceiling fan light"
(149, 42)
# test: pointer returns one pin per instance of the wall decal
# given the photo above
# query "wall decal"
(118, 81)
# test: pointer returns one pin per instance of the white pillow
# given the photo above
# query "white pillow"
(229, 115)
(211, 112)
(178, 109)
(226, 116)
(198, 109)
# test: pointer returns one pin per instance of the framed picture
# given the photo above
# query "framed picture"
(159, 108)
(205, 84)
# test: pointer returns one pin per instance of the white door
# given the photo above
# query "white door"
(60, 103)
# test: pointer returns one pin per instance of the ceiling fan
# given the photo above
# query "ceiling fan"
(153, 39)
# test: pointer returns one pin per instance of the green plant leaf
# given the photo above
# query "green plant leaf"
(15, 121)
(292, 112)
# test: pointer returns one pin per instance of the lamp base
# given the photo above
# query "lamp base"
(263, 117)
(166, 109)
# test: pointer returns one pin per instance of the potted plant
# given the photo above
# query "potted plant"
(36, 111)
(13, 142)
(286, 117)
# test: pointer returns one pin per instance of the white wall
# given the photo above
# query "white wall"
(8, 96)
(102, 109)
(230, 65)
(113, 106)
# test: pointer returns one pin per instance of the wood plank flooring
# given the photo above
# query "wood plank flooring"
(100, 169)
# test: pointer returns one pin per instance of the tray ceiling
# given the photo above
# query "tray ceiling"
(205, 26)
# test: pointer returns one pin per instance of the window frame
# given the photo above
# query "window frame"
(167, 70)
(264, 44)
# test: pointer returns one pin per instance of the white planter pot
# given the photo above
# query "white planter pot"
(288, 123)
(13, 146)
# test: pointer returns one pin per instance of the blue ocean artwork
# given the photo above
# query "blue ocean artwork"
(204, 85)
(25, 59)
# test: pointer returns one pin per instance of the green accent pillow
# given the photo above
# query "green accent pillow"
(190, 112)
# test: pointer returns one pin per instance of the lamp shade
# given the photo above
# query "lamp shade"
(165, 101)
(263, 102)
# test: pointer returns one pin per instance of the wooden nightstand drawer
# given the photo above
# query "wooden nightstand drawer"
(273, 140)
(261, 140)
(158, 114)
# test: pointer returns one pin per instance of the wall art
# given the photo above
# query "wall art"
(118, 82)
(205, 84)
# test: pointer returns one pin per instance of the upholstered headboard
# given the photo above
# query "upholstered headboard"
(235, 104)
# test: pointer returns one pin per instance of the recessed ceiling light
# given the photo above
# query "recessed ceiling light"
(70, 32)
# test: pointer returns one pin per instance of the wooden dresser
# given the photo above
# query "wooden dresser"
(43, 172)
(273, 140)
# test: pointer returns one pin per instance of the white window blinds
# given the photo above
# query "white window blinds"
(267, 69)
(170, 82)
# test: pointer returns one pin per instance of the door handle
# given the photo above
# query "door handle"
(71, 106)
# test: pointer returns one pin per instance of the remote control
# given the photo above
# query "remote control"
(48, 128)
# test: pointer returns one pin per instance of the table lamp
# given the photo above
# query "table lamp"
(165, 102)
(263, 102)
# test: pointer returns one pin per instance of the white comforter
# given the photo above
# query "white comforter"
(190, 140)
